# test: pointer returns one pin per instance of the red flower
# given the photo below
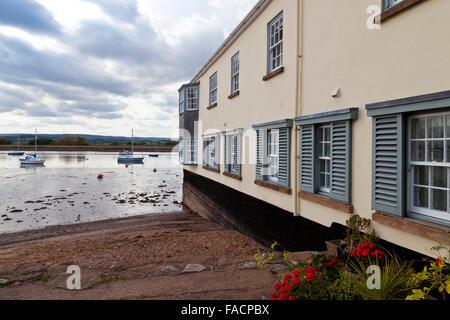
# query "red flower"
(283, 296)
(277, 287)
(287, 277)
(296, 273)
(292, 298)
(438, 261)
(332, 262)
(296, 282)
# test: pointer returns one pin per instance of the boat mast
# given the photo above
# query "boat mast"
(35, 141)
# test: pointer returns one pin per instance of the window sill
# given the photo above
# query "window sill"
(273, 74)
(233, 176)
(402, 6)
(273, 187)
(414, 226)
(212, 106)
(233, 95)
(326, 202)
(211, 169)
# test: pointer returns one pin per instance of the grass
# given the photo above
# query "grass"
(107, 279)
(7, 283)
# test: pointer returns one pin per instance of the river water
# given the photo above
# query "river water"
(67, 190)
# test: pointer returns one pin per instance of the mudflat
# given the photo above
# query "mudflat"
(170, 256)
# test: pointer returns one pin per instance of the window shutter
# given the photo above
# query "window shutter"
(307, 159)
(217, 152)
(205, 152)
(341, 144)
(284, 152)
(227, 153)
(238, 162)
(260, 154)
(388, 164)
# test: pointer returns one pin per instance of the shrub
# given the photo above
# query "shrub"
(5, 141)
(434, 279)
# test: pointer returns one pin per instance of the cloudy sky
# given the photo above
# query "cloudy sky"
(105, 66)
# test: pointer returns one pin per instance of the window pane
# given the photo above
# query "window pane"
(417, 150)
(327, 181)
(439, 177)
(421, 197)
(327, 149)
(418, 128)
(421, 175)
(327, 134)
(448, 150)
(439, 200)
(435, 151)
(436, 127)
(448, 126)
(322, 166)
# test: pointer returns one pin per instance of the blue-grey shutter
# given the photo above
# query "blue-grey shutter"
(217, 152)
(341, 145)
(388, 165)
(307, 138)
(226, 153)
(260, 153)
(284, 148)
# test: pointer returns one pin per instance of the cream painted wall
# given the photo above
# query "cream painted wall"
(259, 101)
(409, 56)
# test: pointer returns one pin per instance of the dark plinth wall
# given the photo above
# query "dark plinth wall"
(258, 219)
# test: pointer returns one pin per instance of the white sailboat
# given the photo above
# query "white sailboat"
(32, 159)
(130, 158)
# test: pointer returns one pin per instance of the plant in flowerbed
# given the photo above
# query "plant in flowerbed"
(310, 280)
(433, 281)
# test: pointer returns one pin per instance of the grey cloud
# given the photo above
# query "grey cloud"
(28, 15)
(125, 10)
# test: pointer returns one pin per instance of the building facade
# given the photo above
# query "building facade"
(320, 109)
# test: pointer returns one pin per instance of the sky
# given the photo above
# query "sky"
(105, 66)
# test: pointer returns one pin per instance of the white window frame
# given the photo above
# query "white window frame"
(273, 154)
(213, 89)
(191, 151)
(429, 164)
(192, 98)
(235, 66)
(181, 151)
(275, 39)
(322, 157)
(181, 101)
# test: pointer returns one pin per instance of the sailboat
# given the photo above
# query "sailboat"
(32, 159)
(18, 153)
(130, 158)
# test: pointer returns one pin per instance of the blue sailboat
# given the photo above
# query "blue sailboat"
(17, 153)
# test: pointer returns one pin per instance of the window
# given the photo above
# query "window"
(232, 147)
(213, 89)
(190, 151)
(275, 43)
(429, 165)
(273, 153)
(235, 73)
(325, 153)
(411, 157)
(324, 159)
(391, 3)
(192, 98)
(211, 151)
(181, 101)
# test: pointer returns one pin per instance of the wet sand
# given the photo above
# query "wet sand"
(140, 257)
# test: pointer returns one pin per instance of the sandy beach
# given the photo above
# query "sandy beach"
(171, 257)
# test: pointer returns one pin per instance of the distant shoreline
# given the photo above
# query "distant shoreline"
(27, 148)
